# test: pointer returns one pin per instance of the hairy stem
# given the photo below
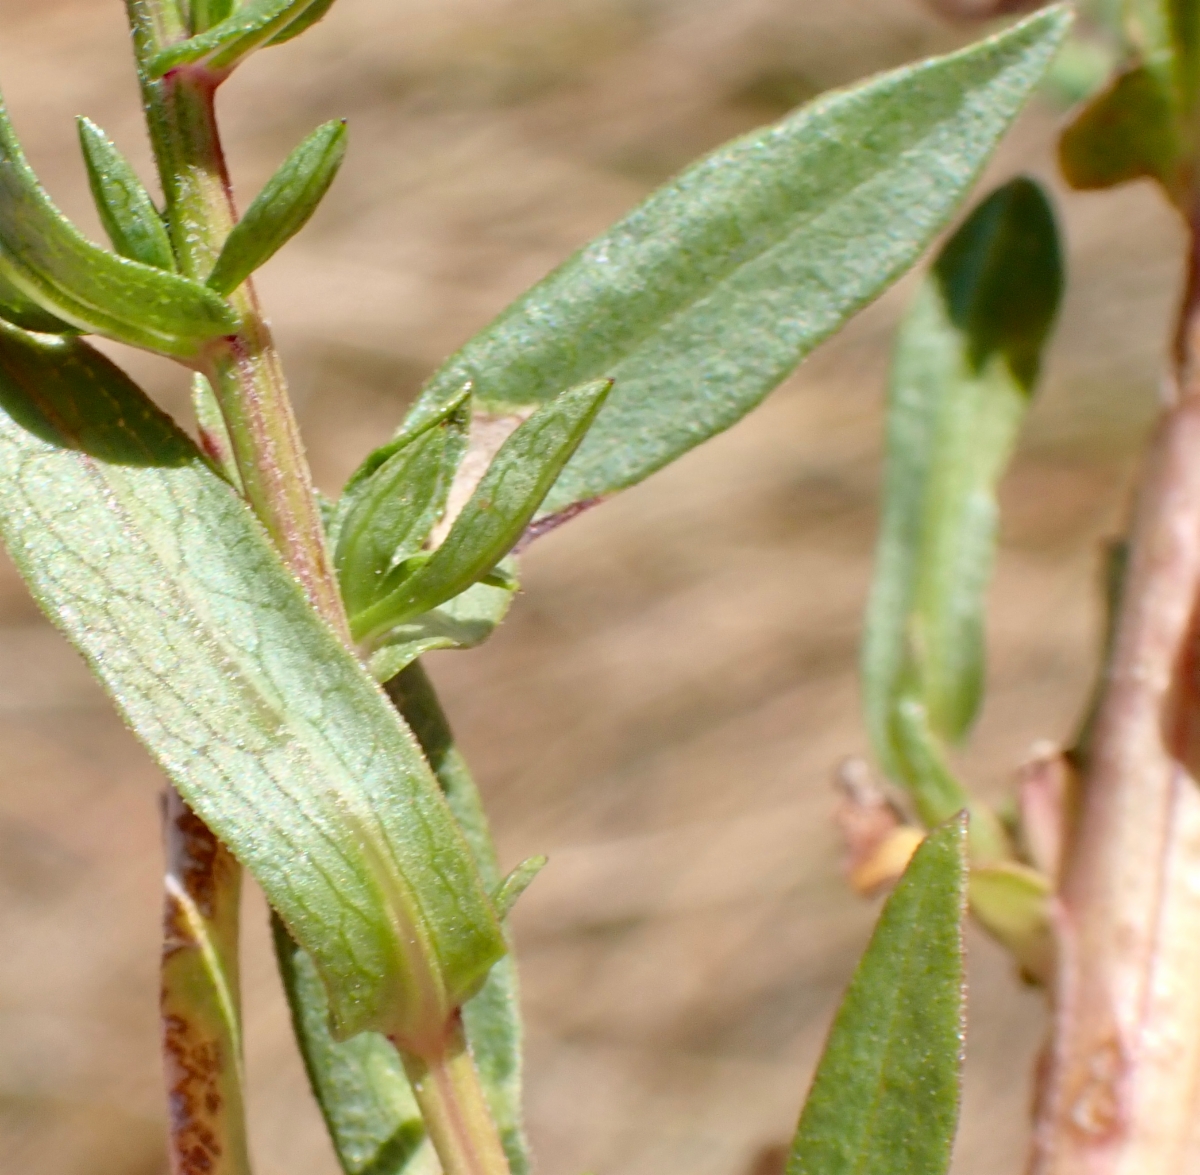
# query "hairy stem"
(245, 370)
(201, 1021)
(455, 1110)
(1119, 1095)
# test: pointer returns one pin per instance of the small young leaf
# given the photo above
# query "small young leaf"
(1012, 902)
(700, 301)
(461, 623)
(492, 521)
(965, 368)
(158, 572)
(282, 208)
(1126, 132)
(251, 25)
(886, 1094)
(311, 15)
(126, 210)
(53, 266)
(515, 884)
(385, 517)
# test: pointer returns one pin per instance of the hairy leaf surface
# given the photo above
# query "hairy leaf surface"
(701, 300)
(271, 730)
(886, 1093)
(965, 368)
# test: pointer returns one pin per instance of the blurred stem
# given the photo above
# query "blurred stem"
(1119, 1095)
(455, 1110)
(201, 1020)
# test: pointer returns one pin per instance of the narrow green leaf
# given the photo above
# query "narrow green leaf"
(126, 210)
(965, 367)
(886, 1094)
(386, 516)
(157, 571)
(1126, 132)
(493, 520)
(22, 311)
(311, 15)
(515, 884)
(282, 208)
(700, 301)
(251, 25)
(464, 622)
(53, 266)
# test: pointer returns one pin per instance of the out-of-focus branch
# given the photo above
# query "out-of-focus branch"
(981, 9)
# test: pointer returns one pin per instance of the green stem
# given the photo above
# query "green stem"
(455, 1110)
(244, 369)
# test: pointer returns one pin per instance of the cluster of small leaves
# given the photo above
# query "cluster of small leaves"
(356, 816)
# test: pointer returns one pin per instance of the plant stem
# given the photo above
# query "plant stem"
(201, 1021)
(1120, 1090)
(244, 370)
(455, 1110)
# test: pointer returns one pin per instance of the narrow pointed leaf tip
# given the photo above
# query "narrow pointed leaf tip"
(125, 207)
(282, 208)
(157, 571)
(494, 518)
(886, 1093)
(706, 296)
(965, 368)
(247, 28)
(58, 271)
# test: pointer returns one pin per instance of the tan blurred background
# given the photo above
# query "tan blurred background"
(663, 711)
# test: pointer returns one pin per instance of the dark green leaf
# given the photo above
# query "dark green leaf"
(157, 571)
(1125, 133)
(493, 520)
(461, 623)
(885, 1097)
(251, 25)
(126, 210)
(53, 266)
(389, 508)
(282, 208)
(965, 367)
(700, 301)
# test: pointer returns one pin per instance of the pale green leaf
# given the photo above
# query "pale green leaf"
(282, 208)
(54, 267)
(156, 570)
(496, 515)
(312, 14)
(125, 207)
(965, 367)
(886, 1094)
(701, 300)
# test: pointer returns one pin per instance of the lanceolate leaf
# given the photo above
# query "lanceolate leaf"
(885, 1097)
(17, 308)
(282, 208)
(252, 24)
(490, 524)
(700, 301)
(966, 364)
(156, 570)
(312, 14)
(53, 266)
(126, 210)
(385, 517)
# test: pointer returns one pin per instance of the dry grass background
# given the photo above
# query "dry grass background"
(663, 710)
